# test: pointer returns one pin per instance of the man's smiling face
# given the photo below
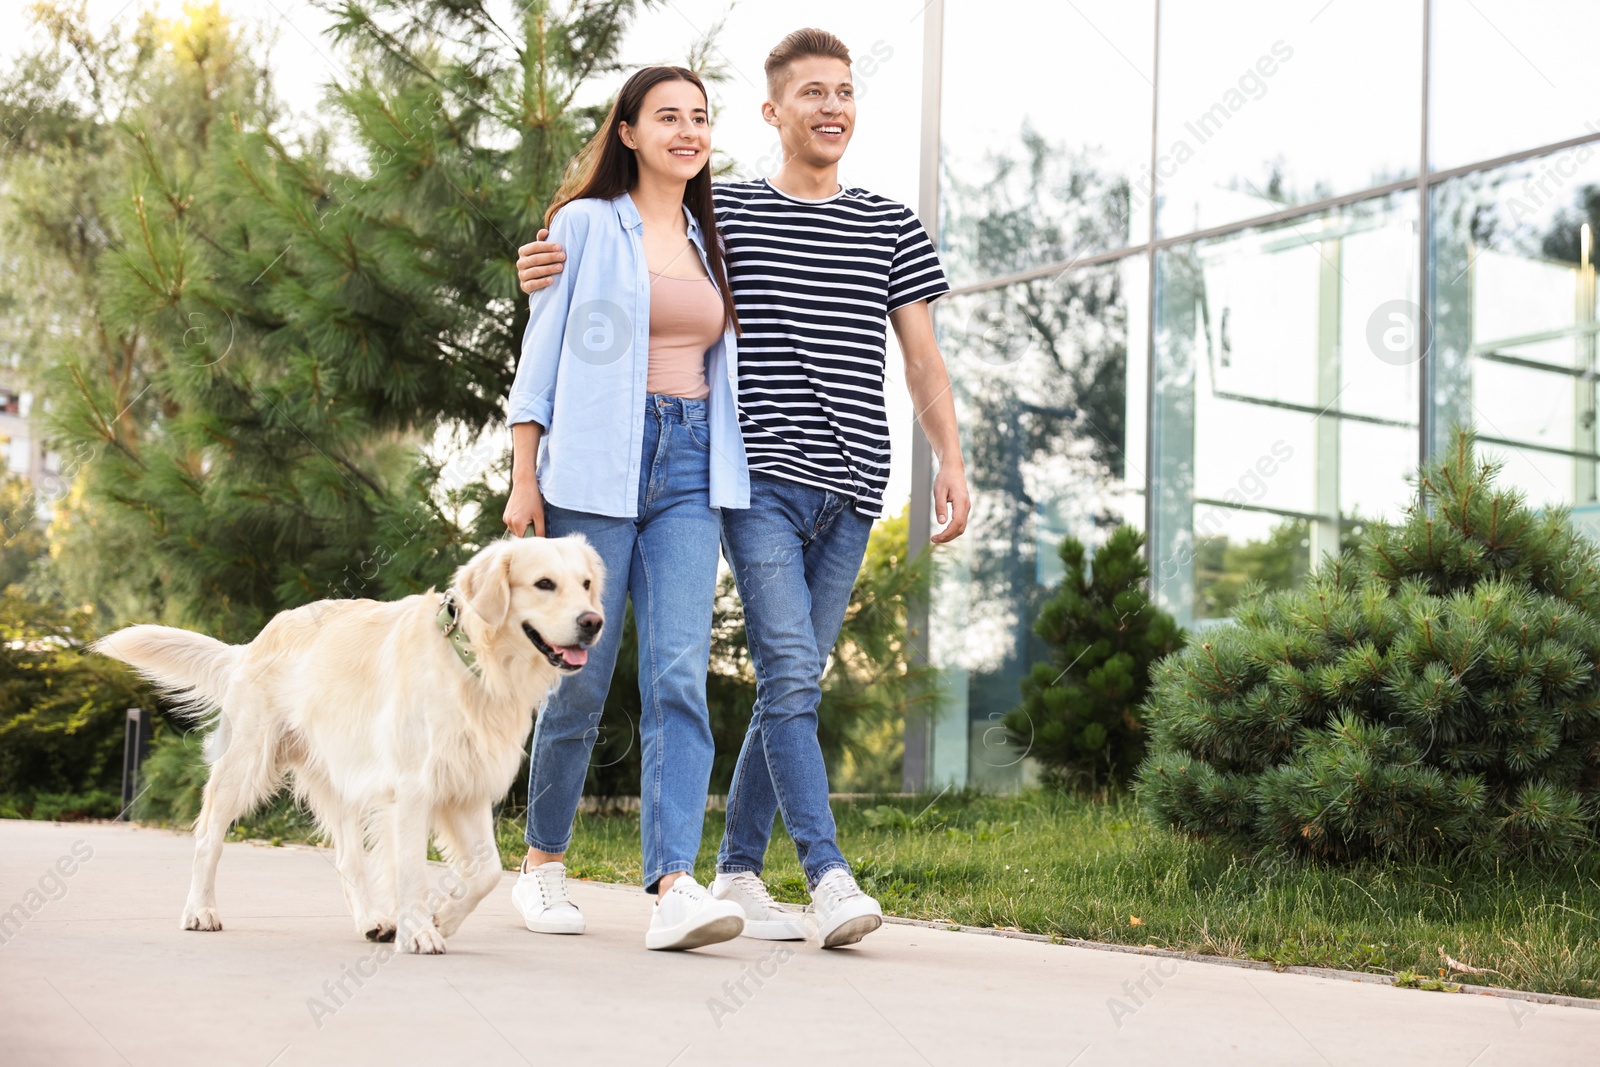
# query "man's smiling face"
(815, 113)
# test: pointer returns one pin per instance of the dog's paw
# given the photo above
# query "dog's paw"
(426, 941)
(379, 930)
(448, 922)
(201, 919)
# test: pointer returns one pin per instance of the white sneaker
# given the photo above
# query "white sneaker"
(764, 918)
(541, 895)
(686, 916)
(841, 911)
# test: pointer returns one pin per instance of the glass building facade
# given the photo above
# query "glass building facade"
(1229, 272)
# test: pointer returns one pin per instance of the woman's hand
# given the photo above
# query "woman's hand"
(525, 508)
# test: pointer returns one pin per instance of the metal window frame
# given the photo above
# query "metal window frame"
(1288, 214)
(1423, 183)
(917, 763)
(1150, 419)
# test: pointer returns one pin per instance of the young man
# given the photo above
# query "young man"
(816, 271)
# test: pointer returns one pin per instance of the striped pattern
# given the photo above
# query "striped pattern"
(814, 282)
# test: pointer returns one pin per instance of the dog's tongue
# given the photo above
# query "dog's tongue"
(574, 655)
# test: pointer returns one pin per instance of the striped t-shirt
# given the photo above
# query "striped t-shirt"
(814, 282)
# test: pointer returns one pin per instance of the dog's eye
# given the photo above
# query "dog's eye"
(544, 583)
(586, 583)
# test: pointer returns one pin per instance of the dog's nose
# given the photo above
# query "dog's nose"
(589, 624)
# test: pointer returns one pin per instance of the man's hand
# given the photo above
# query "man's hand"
(951, 502)
(538, 262)
(929, 385)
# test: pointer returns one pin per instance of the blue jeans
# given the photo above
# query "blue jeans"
(666, 560)
(795, 554)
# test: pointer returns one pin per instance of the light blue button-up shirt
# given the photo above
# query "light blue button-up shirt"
(585, 358)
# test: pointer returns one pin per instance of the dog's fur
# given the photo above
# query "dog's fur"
(386, 734)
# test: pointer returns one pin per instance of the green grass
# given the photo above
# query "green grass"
(1099, 870)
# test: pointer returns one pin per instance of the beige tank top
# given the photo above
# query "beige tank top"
(686, 318)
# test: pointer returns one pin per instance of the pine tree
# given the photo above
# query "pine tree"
(1079, 714)
(272, 330)
(1433, 693)
(287, 327)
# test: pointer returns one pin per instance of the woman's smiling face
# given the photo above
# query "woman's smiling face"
(672, 138)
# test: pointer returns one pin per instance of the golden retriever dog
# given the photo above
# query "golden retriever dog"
(394, 720)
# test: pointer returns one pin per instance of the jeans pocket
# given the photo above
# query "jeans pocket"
(699, 431)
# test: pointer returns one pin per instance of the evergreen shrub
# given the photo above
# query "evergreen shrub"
(1432, 693)
(1080, 711)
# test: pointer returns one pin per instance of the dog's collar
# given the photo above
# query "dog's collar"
(449, 625)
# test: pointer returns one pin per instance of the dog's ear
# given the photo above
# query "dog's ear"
(485, 584)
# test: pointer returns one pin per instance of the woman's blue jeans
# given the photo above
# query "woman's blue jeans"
(666, 560)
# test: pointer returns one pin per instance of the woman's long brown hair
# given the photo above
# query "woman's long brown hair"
(606, 168)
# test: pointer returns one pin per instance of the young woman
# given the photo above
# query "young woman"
(627, 381)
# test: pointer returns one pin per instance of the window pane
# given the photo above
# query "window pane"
(1509, 75)
(1039, 374)
(1515, 319)
(1285, 409)
(1039, 148)
(1268, 103)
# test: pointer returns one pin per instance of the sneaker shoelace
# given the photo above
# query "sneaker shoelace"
(757, 890)
(839, 888)
(552, 886)
(688, 887)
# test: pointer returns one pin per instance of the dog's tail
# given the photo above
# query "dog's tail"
(191, 668)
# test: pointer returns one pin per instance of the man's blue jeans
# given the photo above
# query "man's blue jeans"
(795, 554)
(666, 560)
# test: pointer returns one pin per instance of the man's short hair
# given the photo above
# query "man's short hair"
(801, 44)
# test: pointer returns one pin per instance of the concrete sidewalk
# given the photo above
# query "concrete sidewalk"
(102, 975)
